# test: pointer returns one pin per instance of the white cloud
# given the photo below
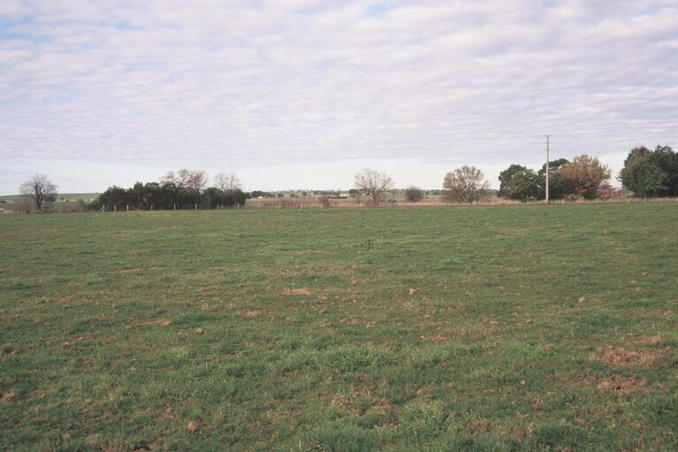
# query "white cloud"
(300, 87)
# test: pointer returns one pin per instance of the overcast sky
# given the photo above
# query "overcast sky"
(302, 94)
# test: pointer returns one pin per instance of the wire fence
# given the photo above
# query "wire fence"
(321, 202)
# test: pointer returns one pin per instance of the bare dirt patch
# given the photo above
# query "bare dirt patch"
(146, 322)
(297, 291)
(623, 357)
(251, 314)
(7, 397)
(628, 385)
(134, 270)
(436, 339)
(193, 427)
(380, 408)
(646, 340)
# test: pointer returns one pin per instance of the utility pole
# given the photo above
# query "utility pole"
(548, 149)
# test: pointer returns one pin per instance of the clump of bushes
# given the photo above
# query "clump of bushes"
(414, 194)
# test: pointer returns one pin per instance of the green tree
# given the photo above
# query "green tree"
(641, 173)
(505, 179)
(667, 160)
(651, 173)
(559, 186)
(524, 185)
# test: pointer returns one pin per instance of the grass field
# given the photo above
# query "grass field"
(483, 328)
(61, 197)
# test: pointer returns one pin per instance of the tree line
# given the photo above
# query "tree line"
(583, 177)
(646, 173)
(183, 189)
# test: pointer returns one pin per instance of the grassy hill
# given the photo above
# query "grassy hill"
(61, 197)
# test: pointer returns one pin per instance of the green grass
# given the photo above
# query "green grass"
(527, 328)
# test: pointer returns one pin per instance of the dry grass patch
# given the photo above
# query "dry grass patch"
(297, 291)
(380, 408)
(255, 313)
(629, 385)
(146, 322)
(435, 339)
(7, 397)
(623, 357)
(646, 340)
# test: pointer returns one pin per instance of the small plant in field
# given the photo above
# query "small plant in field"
(366, 246)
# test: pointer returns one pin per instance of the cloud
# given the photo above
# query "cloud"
(246, 85)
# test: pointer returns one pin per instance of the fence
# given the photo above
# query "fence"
(16, 208)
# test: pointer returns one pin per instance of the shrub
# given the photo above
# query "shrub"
(414, 194)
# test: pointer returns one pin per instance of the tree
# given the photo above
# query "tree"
(519, 182)
(465, 184)
(185, 186)
(651, 173)
(226, 182)
(414, 194)
(667, 160)
(587, 174)
(559, 186)
(40, 189)
(373, 184)
(214, 197)
(197, 180)
(505, 177)
(641, 173)
(524, 185)
(176, 183)
(113, 198)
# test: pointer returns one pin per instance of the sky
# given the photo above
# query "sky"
(303, 93)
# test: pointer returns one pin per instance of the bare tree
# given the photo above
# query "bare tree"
(226, 182)
(465, 184)
(197, 181)
(40, 190)
(373, 184)
(176, 182)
